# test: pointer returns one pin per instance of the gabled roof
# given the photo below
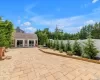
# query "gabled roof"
(19, 30)
(25, 36)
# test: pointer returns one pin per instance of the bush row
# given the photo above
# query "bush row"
(87, 51)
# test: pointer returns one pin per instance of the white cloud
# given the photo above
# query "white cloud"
(30, 29)
(62, 22)
(27, 27)
(94, 1)
(25, 24)
(71, 24)
(89, 22)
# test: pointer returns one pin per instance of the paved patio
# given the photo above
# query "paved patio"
(32, 64)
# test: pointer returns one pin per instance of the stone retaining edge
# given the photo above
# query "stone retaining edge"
(78, 58)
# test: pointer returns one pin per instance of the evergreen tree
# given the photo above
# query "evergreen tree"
(57, 45)
(68, 46)
(51, 44)
(47, 43)
(54, 44)
(76, 48)
(62, 45)
(65, 48)
(90, 50)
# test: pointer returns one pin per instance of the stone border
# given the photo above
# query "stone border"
(78, 58)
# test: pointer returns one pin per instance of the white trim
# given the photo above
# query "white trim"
(17, 40)
(27, 42)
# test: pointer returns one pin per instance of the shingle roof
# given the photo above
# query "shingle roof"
(25, 36)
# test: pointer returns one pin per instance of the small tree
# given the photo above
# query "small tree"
(47, 43)
(65, 48)
(90, 50)
(54, 44)
(57, 45)
(77, 49)
(68, 45)
(62, 45)
(51, 44)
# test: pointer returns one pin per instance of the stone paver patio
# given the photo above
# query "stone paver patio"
(32, 64)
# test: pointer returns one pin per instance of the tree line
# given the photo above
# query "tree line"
(45, 34)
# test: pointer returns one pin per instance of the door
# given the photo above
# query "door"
(19, 43)
(31, 43)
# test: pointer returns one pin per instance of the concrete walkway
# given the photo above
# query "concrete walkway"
(31, 64)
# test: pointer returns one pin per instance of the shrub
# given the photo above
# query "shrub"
(60, 50)
(62, 45)
(90, 50)
(57, 45)
(77, 49)
(68, 46)
(47, 43)
(51, 44)
(69, 53)
(54, 44)
(65, 48)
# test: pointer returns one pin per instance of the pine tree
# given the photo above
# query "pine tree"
(68, 45)
(49, 43)
(54, 44)
(57, 45)
(65, 48)
(90, 50)
(77, 49)
(62, 45)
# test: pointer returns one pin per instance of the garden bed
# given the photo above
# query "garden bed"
(57, 53)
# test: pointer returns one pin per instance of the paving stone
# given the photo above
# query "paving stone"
(32, 64)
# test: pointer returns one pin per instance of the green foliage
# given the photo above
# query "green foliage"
(82, 34)
(60, 50)
(42, 37)
(76, 48)
(48, 43)
(6, 30)
(51, 44)
(65, 48)
(68, 46)
(90, 50)
(69, 53)
(54, 44)
(57, 45)
(62, 45)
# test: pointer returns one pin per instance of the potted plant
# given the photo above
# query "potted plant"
(3, 43)
(2, 52)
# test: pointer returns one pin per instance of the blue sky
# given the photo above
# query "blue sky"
(69, 15)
